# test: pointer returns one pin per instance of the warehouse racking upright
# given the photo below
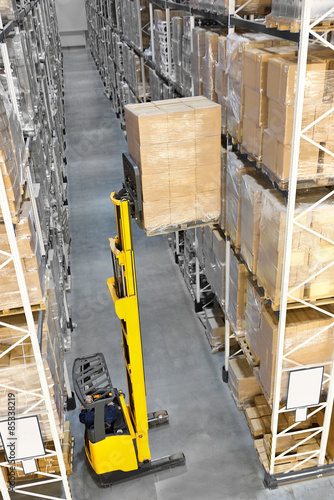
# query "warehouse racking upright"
(307, 457)
(35, 274)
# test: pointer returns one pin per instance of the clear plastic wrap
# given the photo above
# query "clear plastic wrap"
(241, 380)
(271, 244)
(234, 172)
(313, 164)
(209, 61)
(237, 299)
(253, 317)
(218, 278)
(253, 7)
(198, 37)
(252, 191)
(291, 9)
(8, 9)
(176, 144)
(301, 325)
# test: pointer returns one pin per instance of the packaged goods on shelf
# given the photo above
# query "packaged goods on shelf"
(241, 380)
(199, 249)
(176, 145)
(253, 189)
(236, 47)
(198, 38)
(186, 57)
(209, 61)
(253, 7)
(304, 331)
(135, 16)
(292, 9)
(271, 244)
(237, 299)
(235, 170)
(214, 261)
(215, 327)
(30, 259)
(253, 317)
(8, 9)
(221, 81)
(277, 138)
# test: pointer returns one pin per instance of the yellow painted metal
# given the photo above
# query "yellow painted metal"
(126, 307)
(116, 452)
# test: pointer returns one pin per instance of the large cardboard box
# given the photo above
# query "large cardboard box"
(256, 106)
(282, 77)
(241, 380)
(280, 120)
(252, 137)
(237, 298)
(302, 331)
(180, 172)
(253, 188)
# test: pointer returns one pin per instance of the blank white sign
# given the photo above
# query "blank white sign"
(304, 388)
(25, 441)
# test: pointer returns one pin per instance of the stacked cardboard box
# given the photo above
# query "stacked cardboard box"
(186, 57)
(235, 170)
(214, 261)
(255, 111)
(253, 317)
(209, 62)
(237, 299)
(30, 259)
(241, 380)
(252, 191)
(176, 145)
(303, 326)
(176, 47)
(197, 55)
(277, 138)
(221, 80)
(271, 246)
(235, 68)
(254, 7)
(288, 9)
(215, 327)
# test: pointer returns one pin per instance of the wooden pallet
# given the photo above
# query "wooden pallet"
(283, 184)
(293, 25)
(247, 351)
(180, 227)
(20, 310)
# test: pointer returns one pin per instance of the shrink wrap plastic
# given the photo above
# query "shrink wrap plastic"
(254, 7)
(253, 189)
(271, 244)
(8, 9)
(237, 299)
(302, 325)
(253, 317)
(292, 9)
(209, 61)
(234, 173)
(11, 150)
(198, 37)
(176, 144)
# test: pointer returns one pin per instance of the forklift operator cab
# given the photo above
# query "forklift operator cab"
(108, 448)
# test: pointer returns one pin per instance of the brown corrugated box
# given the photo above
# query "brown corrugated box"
(241, 380)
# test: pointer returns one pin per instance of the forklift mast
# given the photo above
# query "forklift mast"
(123, 290)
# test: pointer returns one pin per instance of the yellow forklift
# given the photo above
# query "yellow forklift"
(121, 450)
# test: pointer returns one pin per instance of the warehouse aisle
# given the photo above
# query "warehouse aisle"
(182, 375)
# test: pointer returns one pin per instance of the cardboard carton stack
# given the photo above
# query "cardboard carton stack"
(186, 57)
(277, 138)
(235, 69)
(176, 145)
(255, 7)
(31, 263)
(302, 325)
(176, 47)
(221, 81)
(288, 9)
(255, 111)
(241, 381)
(209, 62)
(252, 191)
(235, 170)
(304, 248)
(197, 55)
(11, 151)
(253, 316)
(237, 299)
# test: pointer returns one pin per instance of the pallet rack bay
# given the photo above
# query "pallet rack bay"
(35, 323)
(290, 450)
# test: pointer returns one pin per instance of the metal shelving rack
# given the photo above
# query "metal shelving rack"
(44, 404)
(284, 364)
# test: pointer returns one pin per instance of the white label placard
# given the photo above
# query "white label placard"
(22, 438)
(304, 388)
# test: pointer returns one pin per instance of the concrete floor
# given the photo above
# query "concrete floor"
(182, 375)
